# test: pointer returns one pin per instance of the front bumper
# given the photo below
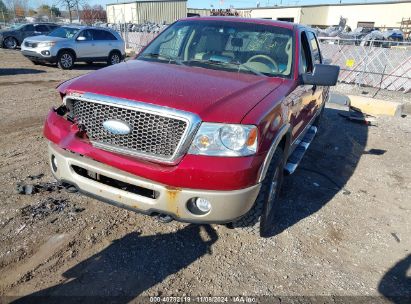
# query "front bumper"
(226, 206)
(35, 56)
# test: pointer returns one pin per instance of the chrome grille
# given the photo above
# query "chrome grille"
(151, 134)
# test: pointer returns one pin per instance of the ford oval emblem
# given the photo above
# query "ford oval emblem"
(117, 127)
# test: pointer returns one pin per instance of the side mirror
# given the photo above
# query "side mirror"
(323, 75)
(81, 38)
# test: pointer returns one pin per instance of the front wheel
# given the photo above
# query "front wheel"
(114, 58)
(65, 60)
(10, 43)
(260, 219)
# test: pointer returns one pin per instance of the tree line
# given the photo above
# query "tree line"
(73, 10)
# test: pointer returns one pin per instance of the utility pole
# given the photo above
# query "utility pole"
(78, 12)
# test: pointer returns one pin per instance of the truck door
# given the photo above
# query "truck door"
(304, 96)
(318, 91)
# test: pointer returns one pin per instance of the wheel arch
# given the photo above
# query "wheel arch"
(69, 50)
(115, 51)
(283, 140)
(11, 36)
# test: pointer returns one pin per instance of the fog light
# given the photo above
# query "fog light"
(45, 53)
(54, 163)
(203, 204)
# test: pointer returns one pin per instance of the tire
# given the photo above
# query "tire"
(65, 60)
(259, 220)
(10, 43)
(317, 121)
(114, 58)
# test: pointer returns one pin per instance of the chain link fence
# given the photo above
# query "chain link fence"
(379, 64)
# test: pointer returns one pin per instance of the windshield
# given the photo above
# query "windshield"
(231, 46)
(16, 26)
(64, 32)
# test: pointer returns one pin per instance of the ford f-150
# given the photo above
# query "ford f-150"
(200, 126)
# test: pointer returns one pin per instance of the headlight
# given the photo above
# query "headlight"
(44, 44)
(225, 140)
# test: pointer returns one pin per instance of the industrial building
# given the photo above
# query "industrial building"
(378, 14)
(142, 11)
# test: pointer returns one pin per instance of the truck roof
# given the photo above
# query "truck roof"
(283, 24)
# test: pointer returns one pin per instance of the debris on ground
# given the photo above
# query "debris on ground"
(44, 208)
(28, 189)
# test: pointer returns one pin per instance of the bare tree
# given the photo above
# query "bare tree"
(71, 5)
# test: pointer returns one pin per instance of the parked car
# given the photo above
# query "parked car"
(200, 127)
(13, 37)
(69, 44)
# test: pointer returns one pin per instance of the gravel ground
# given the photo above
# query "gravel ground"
(343, 228)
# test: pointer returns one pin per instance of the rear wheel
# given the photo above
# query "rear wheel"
(65, 60)
(10, 43)
(114, 58)
(260, 219)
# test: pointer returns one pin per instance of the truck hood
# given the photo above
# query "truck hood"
(44, 38)
(214, 95)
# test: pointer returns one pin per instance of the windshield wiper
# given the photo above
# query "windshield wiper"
(159, 56)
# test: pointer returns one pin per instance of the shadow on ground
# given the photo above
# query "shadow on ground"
(395, 285)
(128, 267)
(324, 171)
(18, 71)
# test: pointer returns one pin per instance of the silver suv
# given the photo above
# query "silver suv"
(69, 44)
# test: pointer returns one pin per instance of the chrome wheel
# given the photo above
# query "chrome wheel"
(10, 43)
(115, 58)
(66, 61)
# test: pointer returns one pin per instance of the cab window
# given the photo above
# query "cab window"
(86, 34)
(306, 65)
(29, 28)
(314, 48)
(103, 35)
(41, 28)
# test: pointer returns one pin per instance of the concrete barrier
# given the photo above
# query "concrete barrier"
(367, 105)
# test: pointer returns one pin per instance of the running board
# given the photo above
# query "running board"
(298, 154)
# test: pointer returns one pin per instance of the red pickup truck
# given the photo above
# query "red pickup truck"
(200, 127)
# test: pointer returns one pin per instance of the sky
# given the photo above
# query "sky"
(223, 3)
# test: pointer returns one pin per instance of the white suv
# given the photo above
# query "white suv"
(68, 44)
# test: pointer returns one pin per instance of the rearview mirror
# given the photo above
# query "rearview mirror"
(81, 38)
(323, 75)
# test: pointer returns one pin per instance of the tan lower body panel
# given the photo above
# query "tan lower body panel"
(225, 205)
